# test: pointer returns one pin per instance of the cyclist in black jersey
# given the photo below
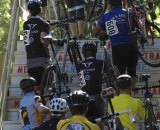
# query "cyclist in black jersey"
(35, 28)
(77, 102)
(76, 9)
(43, 5)
(58, 108)
(91, 80)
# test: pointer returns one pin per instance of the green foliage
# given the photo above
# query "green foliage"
(4, 22)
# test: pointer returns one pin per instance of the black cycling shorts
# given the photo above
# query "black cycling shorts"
(37, 73)
(125, 57)
(95, 108)
(76, 8)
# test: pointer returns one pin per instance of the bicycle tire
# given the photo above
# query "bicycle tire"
(94, 9)
(74, 54)
(50, 80)
(110, 77)
(60, 9)
(150, 46)
(150, 119)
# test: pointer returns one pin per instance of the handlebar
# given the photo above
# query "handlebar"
(110, 116)
(63, 21)
(67, 91)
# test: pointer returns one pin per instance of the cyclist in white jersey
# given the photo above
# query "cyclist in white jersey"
(31, 107)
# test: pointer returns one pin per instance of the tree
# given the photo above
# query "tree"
(4, 22)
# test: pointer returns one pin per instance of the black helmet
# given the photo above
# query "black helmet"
(115, 2)
(124, 81)
(27, 83)
(89, 48)
(78, 98)
(34, 4)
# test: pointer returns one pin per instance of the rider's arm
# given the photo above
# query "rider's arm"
(45, 42)
(44, 31)
(41, 108)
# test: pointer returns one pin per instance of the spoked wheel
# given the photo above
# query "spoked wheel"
(50, 80)
(94, 9)
(149, 47)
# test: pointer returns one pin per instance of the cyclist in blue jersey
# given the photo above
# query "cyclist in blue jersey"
(124, 48)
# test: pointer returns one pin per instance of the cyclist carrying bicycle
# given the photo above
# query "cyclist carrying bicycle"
(31, 106)
(125, 101)
(91, 80)
(58, 108)
(35, 28)
(124, 48)
(78, 102)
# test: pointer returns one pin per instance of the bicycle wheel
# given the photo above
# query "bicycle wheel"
(60, 9)
(110, 71)
(150, 119)
(50, 80)
(148, 46)
(75, 54)
(94, 9)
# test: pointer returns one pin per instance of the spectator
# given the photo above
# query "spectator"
(31, 106)
(78, 102)
(35, 28)
(125, 101)
(76, 9)
(124, 47)
(90, 71)
(58, 108)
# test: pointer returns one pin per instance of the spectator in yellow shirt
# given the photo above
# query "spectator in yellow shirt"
(124, 101)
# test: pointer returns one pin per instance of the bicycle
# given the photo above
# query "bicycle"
(94, 9)
(145, 33)
(111, 72)
(53, 76)
(150, 121)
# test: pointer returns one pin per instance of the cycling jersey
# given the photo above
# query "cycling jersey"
(50, 124)
(28, 109)
(91, 75)
(32, 31)
(116, 24)
(77, 122)
(126, 102)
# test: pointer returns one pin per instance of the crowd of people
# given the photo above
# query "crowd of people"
(86, 104)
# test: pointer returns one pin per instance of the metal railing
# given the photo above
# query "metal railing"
(13, 31)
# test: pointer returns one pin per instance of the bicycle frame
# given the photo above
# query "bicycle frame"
(150, 121)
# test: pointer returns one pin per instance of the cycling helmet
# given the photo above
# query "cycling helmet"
(58, 105)
(78, 98)
(124, 81)
(115, 2)
(27, 83)
(34, 4)
(89, 48)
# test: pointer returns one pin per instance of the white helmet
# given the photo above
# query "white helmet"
(58, 105)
